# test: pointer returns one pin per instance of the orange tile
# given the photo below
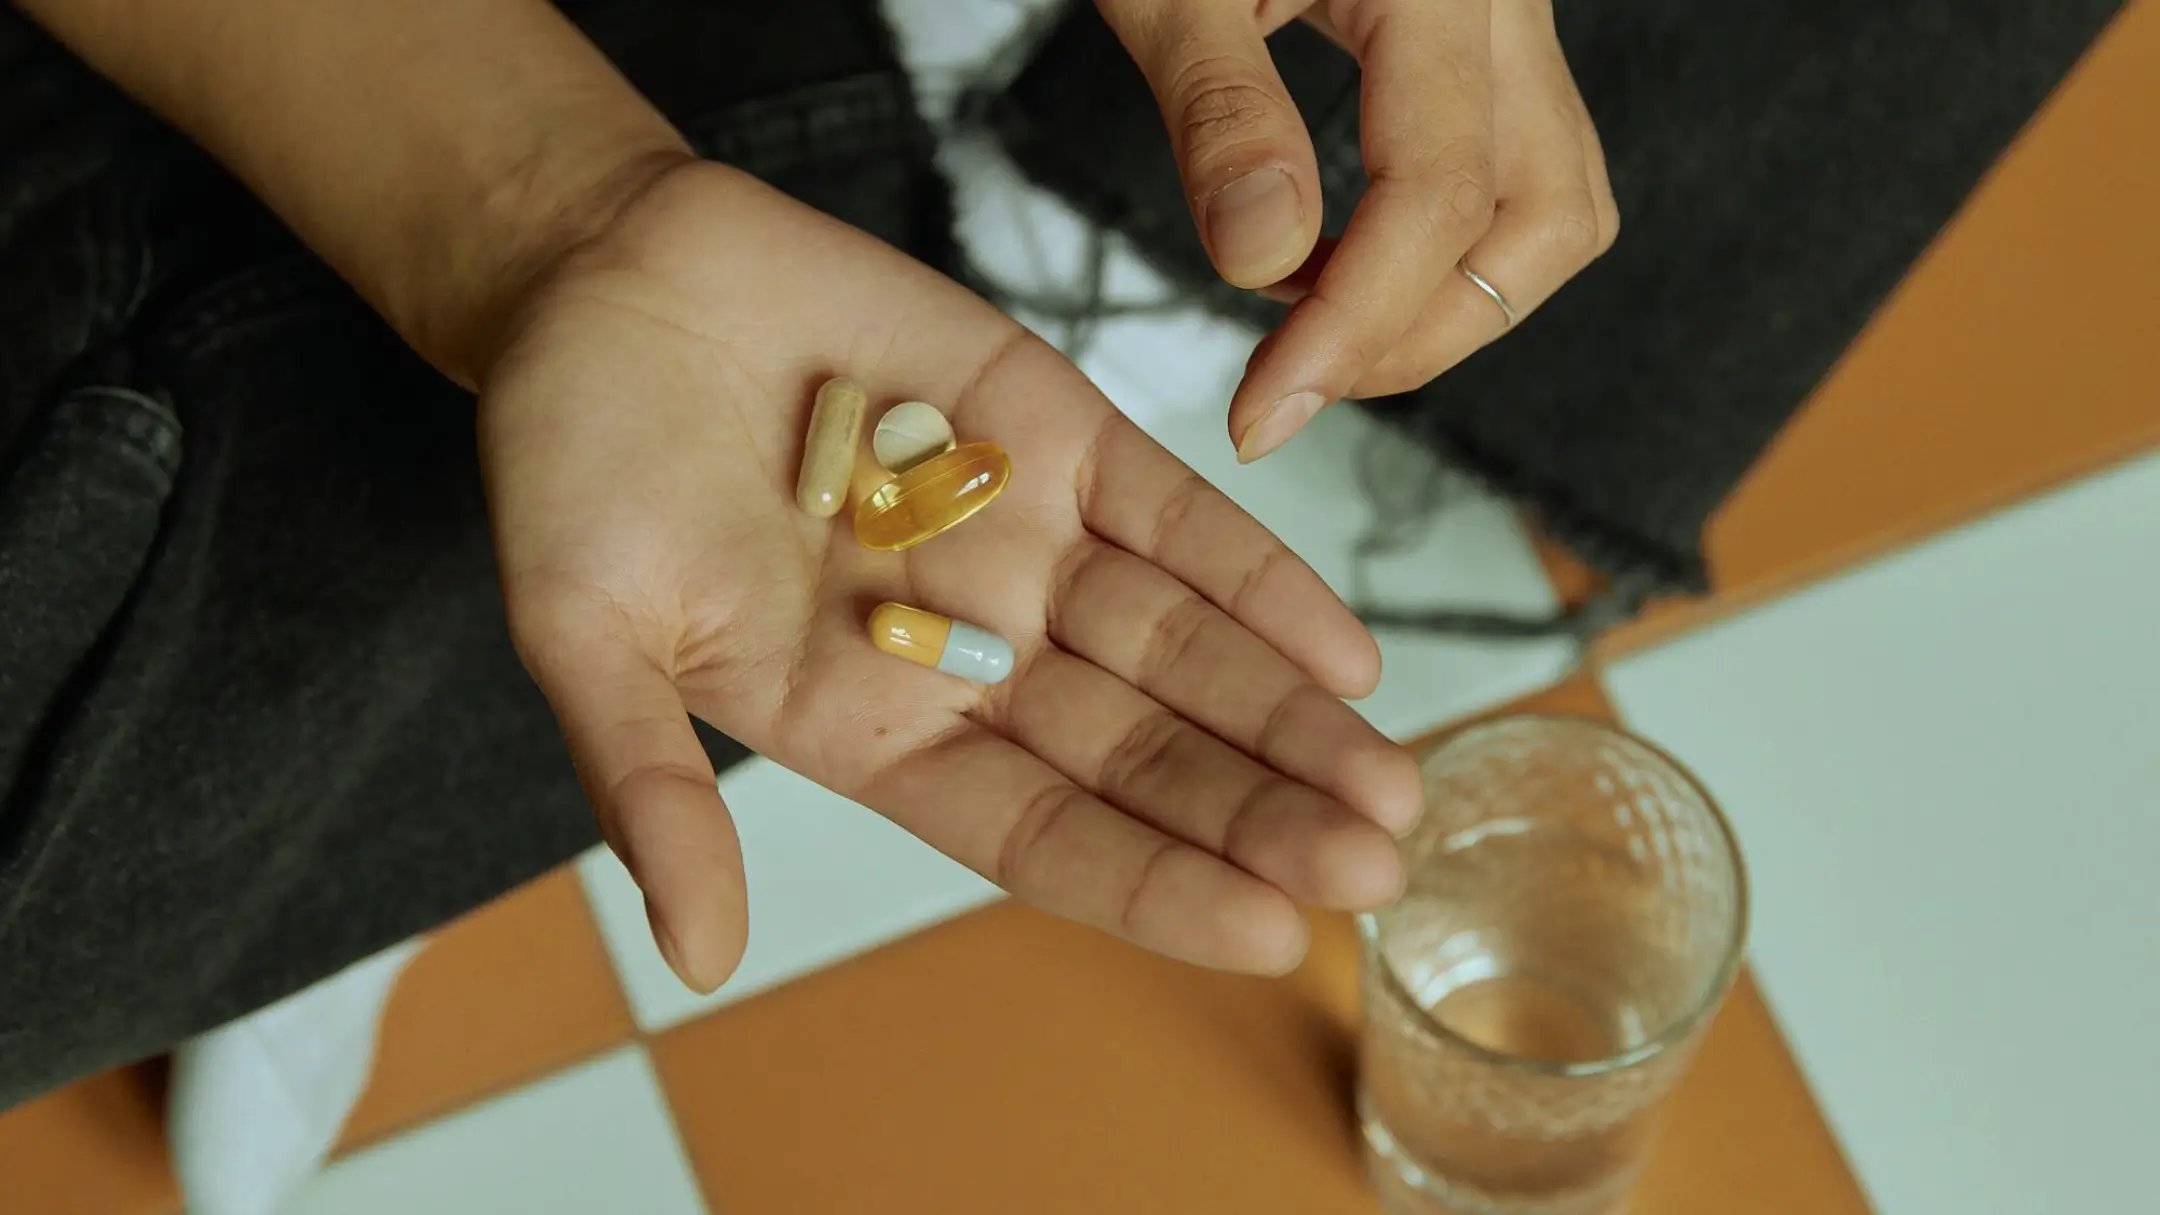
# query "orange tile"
(514, 991)
(96, 1147)
(1010, 1061)
(2020, 353)
(1572, 581)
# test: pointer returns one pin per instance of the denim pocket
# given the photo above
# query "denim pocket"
(78, 517)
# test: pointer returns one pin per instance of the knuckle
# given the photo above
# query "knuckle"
(652, 779)
(1146, 752)
(544, 621)
(1255, 577)
(1219, 105)
(1466, 199)
(1036, 821)
(1393, 377)
(1175, 517)
(1608, 224)
(1171, 639)
(533, 641)
(1460, 182)
(1252, 811)
(1573, 230)
(1364, 326)
(1129, 912)
(1268, 743)
(1374, 339)
(1069, 579)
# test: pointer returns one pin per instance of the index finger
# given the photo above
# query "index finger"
(1426, 137)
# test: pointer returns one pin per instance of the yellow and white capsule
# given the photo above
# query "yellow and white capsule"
(930, 640)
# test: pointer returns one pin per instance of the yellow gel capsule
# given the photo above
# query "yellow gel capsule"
(930, 640)
(932, 496)
(828, 458)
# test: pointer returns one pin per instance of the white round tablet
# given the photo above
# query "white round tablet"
(908, 434)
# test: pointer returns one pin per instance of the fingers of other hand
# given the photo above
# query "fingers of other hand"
(1555, 213)
(1605, 207)
(649, 780)
(1241, 146)
(1427, 107)
(1017, 821)
(1525, 34)
(1539, 240)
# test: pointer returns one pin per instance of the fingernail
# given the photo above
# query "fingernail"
(1277, 425)
(1254, 226)
(672, 953)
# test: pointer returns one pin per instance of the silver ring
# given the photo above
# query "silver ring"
(1507, 310)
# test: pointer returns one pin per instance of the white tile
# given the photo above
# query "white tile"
(1944, 773)
(827, 879)
(597, 1137)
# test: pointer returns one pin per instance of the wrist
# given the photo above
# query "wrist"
(439, 156)
(460, 287)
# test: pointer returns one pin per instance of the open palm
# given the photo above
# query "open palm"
(1170, 759)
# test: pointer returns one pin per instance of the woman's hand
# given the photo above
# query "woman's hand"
(1480, 155)
(1169, 761)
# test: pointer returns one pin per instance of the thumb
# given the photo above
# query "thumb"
(1241, 146)
(652, 787)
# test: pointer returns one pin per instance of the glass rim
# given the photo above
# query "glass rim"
(1681, 1027)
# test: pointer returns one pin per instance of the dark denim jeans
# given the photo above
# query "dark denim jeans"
(259, 716)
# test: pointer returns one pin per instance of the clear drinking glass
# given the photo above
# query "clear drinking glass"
(1574, 915)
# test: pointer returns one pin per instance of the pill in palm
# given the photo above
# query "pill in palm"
(909, 433)
(932, 496)
(828, 462)
(952, 646)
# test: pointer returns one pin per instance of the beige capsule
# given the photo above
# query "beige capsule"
(828, 462)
